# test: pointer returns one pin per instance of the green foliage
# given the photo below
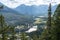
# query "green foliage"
(53, 33)
(57, 23)
(12, 32)
(46, 34)
(2, 23)
(35, 37)
(3, 28)
(23, 36)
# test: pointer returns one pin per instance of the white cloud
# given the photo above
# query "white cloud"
(15, 3)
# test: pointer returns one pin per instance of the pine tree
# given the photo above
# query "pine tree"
(2, 25)
(56, 18)
(49, 23)
(46, 34)
(12, 30)
(23, 36)
(35, 37)
(49, 17)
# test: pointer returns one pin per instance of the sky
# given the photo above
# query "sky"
(16, 3)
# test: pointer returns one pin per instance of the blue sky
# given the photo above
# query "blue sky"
(16, 3)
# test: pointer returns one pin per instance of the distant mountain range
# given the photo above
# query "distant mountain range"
(34, 10)
(23, 13)
(13, 17)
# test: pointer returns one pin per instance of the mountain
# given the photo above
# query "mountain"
(23, 13)
(34, 10)
(13, 17)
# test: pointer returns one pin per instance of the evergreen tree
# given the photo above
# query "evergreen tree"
(3, 28)
(23, 36)
(2, 22)
(12, 30)
(46, 34)
(35, 37)
(49, 23)
(53, 32)
(56, 20)
(49, 17)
